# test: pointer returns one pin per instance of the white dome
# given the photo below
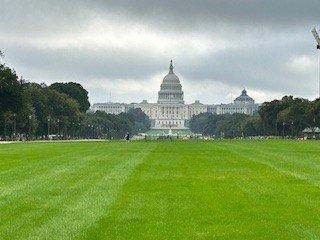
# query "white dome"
(171, 78)
(170, 89)
(244, 97)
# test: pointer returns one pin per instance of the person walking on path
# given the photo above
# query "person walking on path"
(127, 137)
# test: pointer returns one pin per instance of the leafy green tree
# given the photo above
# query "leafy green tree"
(122, 125)
(10, 96)
(63, 111)
(313, 114)
(36, 96)
(231, 125)
(268, 113)
(198, 123)
(316, 107)
(294, 118)
(8, 120)
(75, 91)
(104, 125)
(288, 116)
(252, 126)
(27, 122)
(225, 125)
(10, 90)
(141, 122)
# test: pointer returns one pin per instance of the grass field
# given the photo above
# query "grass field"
(160, 190)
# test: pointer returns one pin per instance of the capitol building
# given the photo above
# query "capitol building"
(171, 112)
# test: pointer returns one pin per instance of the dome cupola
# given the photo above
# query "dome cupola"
(171, 77)
(170, 89)
(244, 98)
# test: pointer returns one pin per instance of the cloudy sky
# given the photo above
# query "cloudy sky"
(120, 50)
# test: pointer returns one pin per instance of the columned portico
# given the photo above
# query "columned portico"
(171, 116)
(170, 103)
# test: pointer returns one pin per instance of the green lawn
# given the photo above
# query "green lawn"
(160, 190)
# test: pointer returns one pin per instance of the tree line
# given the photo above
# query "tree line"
(31, 110)
(286, 117)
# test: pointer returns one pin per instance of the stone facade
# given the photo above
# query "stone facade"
(170, 111)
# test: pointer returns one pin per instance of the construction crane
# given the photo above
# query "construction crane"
(315, 34)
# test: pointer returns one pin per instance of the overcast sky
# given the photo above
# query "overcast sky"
(120, 50)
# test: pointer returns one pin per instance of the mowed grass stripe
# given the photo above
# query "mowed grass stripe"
(66, 196)
(207, 191)
(56, 188)
(189, 187)
(303, 164)
(36, 160)
(173, 193)
(164, 190)
(295, 193)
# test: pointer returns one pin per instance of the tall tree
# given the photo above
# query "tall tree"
(141, 122)
(36, 96)
(10, 90)
(226, 125)
(313, 114)
(10, 96)
(75, 91)
(252, 126)
(63, 111)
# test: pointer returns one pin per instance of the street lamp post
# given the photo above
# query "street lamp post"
(29, 136)
(283, 124)
(14, 125)
(48, 129)
(73, 130)
(58, 122)
(92, 132)
(4, 129)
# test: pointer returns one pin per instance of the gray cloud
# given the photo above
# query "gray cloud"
(189, 14)
(263, 45)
